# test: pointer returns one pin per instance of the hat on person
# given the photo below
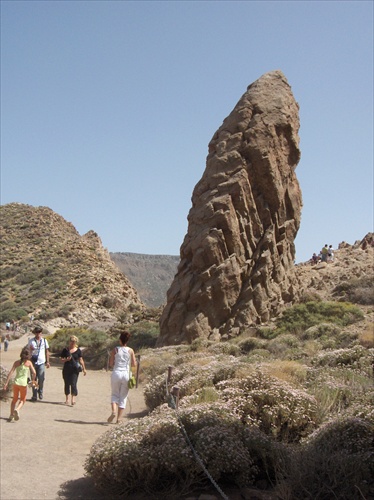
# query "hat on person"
(37, 329)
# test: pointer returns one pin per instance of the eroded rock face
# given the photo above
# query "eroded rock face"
(236, 266)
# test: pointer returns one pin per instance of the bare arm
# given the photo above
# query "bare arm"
(133, 359)
(111, 359)
(81, 361)
(32, 369)
(15, 364)
(47, 355)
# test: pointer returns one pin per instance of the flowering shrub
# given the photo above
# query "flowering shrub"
(224, 348)
(190, 377)
(275, 407)
(141, 457)
(3, 376)
(153, 454)
(330, 336)
(357, 357)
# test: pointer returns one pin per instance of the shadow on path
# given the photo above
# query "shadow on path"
(80, 422)
(82, 488)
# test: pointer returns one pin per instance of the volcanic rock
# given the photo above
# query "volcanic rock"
(236, 267)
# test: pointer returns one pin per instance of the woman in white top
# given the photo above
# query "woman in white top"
(120, 360)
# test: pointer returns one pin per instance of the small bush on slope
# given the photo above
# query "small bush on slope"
(337, 462)
(298, 318)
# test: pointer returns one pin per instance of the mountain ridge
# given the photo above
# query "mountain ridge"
(150, 274)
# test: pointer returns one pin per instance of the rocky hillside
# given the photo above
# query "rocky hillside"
(349, 277)
(51, 272)
(151, 275)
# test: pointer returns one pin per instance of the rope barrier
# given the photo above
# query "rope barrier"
(173, 403)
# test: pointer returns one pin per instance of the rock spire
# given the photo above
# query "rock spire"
(236, 267)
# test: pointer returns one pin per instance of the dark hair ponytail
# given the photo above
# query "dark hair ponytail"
(124, 337)
(25, 354)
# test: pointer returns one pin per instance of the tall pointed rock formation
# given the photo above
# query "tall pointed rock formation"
(236, 267)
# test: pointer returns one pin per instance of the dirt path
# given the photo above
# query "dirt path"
(43, 454)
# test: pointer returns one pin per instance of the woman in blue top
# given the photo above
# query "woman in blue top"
(121, 359)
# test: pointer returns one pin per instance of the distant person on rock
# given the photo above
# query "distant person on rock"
(330, 254)
(22, 367)
(39, 350)
(324, 253)
(315, 258)
(6, 342)
(122, 359)
(73, 361)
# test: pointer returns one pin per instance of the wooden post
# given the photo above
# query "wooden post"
(175, 393)
(107, 361)
(137, 369)
(170, 373)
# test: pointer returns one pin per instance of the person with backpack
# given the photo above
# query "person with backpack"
(39, 350)
(324, 253)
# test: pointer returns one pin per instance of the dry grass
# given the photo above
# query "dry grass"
(288, 371)
(366, 336)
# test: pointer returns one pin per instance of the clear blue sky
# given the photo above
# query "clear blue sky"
(107, 109)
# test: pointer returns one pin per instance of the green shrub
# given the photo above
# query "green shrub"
(200, 344)
(341, 390)
(144, 334)
(300, 317)
(224, 348)
(13, 314)
(7, 304)
(251, 343)
(357, 357)
(88, 338)
(46, 314)
(63, 311)
(281, 345)
(267, 333)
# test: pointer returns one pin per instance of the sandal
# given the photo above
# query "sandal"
(16, 415)
(111, 418)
